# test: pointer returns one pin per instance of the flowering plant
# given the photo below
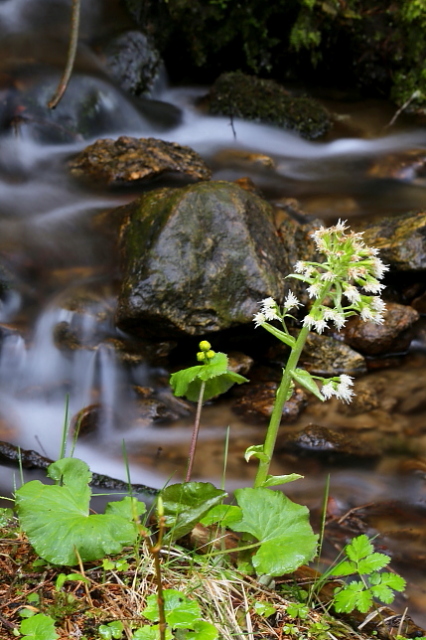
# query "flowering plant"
(340, 287)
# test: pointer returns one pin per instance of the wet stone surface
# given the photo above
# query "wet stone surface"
(128, 161)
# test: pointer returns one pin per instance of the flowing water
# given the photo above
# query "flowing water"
(49, 244)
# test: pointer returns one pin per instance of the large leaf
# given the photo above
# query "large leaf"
(186, 503)
(215, 376)
(180, 612)
(57, 522)
(281, 526)
(38, 627)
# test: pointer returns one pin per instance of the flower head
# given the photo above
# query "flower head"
(291, 302)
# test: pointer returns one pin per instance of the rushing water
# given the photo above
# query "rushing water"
(48, 242)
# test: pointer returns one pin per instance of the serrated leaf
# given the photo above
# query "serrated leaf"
(281, 335)
(305, 379)
(382, 593)
(394, 581)
(217, 366)
(373, 562)
(186, 503)
(359, 548)
(255, 451)
(180, 380)
(56, 518)
(281, 526)
(202, 630)
(274, 481)
(224, 514)
(39, 627)
(180, 612)
(353, 596)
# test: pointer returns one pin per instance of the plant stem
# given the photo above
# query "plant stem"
(282, 395)
(280, 400)
(195, 433)
(72, 50)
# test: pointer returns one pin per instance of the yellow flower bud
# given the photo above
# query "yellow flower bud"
(210, 354)
(201, 356)
(204, 345)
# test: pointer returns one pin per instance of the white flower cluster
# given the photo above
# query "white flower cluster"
(341, 387)
(269, 309)
(350, 272)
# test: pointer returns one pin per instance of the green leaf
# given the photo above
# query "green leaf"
(5, 516)
(111, 630)
(202, 630)
(215, 375)
(151, 633)
(57, 522)
(305, 379)
(39, 627)
(353, 596)
(374, 562)
(383, 593)
(394, 581)
(282, 527)
(344, 568)
(129, 508)
(186, 503)
(273, 481)
(255, 451)
(264, 609)
(225, 514)
(180, 612)
(281, 335)
(359, 548)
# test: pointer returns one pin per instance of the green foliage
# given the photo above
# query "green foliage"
(112, 630)
(57, 522)
(5, 516)
(215, 375)
(38, 627)
(282, 528)
(367, 564)
(185, 504)
(181, 613)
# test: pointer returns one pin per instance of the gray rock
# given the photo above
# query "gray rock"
(401, 240)
(198, 259)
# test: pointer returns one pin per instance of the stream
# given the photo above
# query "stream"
(50, 244)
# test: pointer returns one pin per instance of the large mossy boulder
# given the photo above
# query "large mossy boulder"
(238, 95)
(197, 260)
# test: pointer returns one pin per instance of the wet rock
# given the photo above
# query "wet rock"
(323, 356)
(89, 420)
(364, 400)
(406, 166)
(91, 107)
(159, 406)
(319, 441)
(256, 402)
(133, 62)
(241, 96)
(401, 240)
(198, 259)
(419, 303)
(295, 231)
(136, 352)
(243, 159)
(376, 339)
(239, 362)
(131, 160)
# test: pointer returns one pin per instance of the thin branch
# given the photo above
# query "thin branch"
(72, 50)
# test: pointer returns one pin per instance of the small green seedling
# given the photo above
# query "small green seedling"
(298, 610)
(111, 631)
(201, 383)
(363, 561)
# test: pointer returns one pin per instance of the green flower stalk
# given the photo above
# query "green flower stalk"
(340, 287)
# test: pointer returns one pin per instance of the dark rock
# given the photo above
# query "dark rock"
(376, 339)
(197, 260)
(365, 399)
(239, 363)
(241, 96)
(401, 240)
(320, 441)
(323, 356)
(131, 160)
(159, 406)
(133, 62)
(256, 402)
(89, 420)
